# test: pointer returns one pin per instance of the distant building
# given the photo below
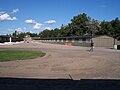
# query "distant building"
(4, 38)
(99, 41)
(104, 41)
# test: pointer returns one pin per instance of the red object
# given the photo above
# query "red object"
(68, 43)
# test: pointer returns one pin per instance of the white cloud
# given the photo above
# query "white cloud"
(24, 28)
(30, 21)
(2, 13)
(19, 29)
(50, 22)
(10, 30)
(15, 11)
(48, 28)
(31, 31)
(37, 26)
(6, 16)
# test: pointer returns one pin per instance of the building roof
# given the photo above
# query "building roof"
(72, 37)
(4, 36)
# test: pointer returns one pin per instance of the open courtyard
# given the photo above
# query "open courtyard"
(63, 62)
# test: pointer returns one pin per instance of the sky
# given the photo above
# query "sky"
(36, 15)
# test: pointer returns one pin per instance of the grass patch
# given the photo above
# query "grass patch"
(11, 55)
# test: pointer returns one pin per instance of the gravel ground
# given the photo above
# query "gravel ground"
(63, 62)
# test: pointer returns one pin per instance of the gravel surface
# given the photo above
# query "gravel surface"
(63, 62)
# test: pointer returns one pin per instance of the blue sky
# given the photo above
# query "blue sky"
(37, 15)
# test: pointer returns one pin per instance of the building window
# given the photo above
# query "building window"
(88, 40)
(0, 39)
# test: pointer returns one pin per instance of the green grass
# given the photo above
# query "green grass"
(11, 55)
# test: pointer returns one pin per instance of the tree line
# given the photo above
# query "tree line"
(80, 25)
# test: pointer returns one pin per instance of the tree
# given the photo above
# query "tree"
(15, 34)
(78, 25)
(45, 33)
(111, 28)
(33, 35)
(55, 33)
(116, 27)
(83, 25)
(93, 26)
(65, 30)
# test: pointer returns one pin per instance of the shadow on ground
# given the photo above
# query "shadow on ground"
(58, 84)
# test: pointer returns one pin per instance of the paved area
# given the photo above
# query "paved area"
(63, 62)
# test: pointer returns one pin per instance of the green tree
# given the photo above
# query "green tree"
(45, 33)
(111, 28)
(103, 30)
(82, 25)
(78, 25)
(15, 34)
(93, 26)
(65, 31)
(55, 32)
(116, 27)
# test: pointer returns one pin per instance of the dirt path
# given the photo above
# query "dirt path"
(64, 61)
